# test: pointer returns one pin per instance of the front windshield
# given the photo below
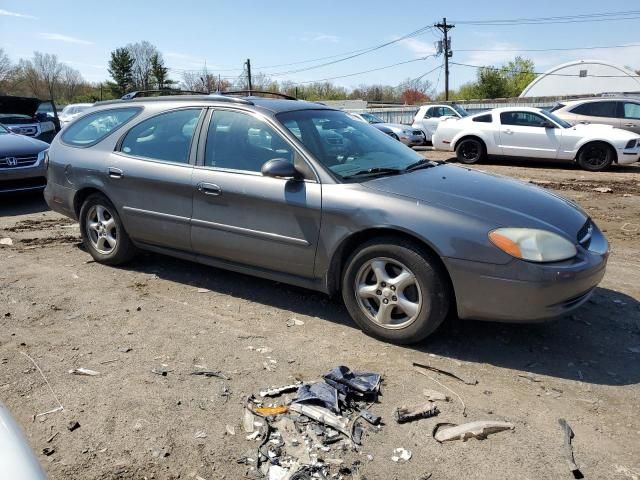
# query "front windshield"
(461, 111)
(558, 120)
(347, 146)
(3, 130)
(369, 117)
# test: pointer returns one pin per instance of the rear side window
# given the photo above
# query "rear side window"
(631, 110)
(94, 127)
(164, 137)
(522, 119)
(483, 118)
(596, 109)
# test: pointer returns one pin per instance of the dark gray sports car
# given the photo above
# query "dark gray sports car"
(22, 166)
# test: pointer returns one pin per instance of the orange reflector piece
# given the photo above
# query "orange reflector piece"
(268, 411)
(505, 244)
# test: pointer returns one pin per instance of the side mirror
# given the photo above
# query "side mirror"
(280, 168)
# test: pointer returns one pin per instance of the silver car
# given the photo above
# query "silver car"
(621, 113)
(300, 193)
(405, 133)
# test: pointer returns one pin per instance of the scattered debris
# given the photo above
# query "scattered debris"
(468, 381)
(203, 290)
(230, 429)
(530, 376)
(479, 429)
(401, 454)
(263, 349)
(200, 434)
(125, 349)
(324, 416)
(319, 393)
(59, 408)
(464, 406)
(294, 322)
(603, 190)
(48, 451)
(435, 396)
(568, 448)
(6, 242)
(211, 373)
(270, 411)
(163, 371)
(84, 371)
(370, 417)
(50, 439)
(275, 391)
(73, 425)
(405, 415)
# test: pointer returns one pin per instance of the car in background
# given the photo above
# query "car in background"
(254, 188)
(22, 162)
(535, 133)
(73, 111)
(428, 117)
(30, 116)
(411, 137)
(16, 457)
(618, 112)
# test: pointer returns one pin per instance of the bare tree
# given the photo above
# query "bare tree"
(5, 66)
(48, 70)
(143, 54)
(71, 83)
(203, 81)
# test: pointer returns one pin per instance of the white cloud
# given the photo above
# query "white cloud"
(7, 13)
(320, 37)
(418, 47)
(58, 37)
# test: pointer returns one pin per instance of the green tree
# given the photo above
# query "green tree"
(121, 70)
(159, 72)
(518, 73)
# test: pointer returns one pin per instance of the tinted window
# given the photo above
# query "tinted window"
(94, 127)
(483, 118)
(631, 110)
(596, 109)
(163, 137)
(461, 111)
(522, 119)
(242, 142)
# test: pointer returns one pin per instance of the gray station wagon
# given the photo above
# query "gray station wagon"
(298, 192)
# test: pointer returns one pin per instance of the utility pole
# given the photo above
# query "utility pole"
(444, 27)
(248, 64)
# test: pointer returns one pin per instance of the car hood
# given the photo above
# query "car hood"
(598, 129)
(19, 105)
(12, 144)
(500, 201)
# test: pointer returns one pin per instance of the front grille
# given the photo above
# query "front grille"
(25, 184)
(17, 162)
(418, 132)
(585, 233)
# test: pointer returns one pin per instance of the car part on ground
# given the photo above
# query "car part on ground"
(22, 162)
(301, 193)
(527, 132)
(30, 116)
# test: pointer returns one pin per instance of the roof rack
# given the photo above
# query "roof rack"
(179, 98)
(161, 92)
(257, 92)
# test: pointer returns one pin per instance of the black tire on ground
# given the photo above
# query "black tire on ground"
(434, 289)
(124, 249)
(471, 150)
(595, 156)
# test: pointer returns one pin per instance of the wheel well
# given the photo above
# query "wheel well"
(611, 147)
(349, 245)
(80, 197)
(475, 137)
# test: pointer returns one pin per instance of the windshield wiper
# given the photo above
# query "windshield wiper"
(375, 171)
(420, 164)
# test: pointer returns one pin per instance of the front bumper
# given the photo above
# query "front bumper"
(628, 156)
(413, 140)
(23, 179)
(522, 291)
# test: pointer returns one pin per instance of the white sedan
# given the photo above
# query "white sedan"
(535, 133)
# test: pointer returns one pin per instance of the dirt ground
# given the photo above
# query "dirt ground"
(65, 311)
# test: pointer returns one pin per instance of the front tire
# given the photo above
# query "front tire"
(103, 232)
(595, 157)
(395, 291)
(470, 151)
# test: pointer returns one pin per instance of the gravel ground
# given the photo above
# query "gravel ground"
(65, 312)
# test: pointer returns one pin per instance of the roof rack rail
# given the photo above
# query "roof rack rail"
(179, 98)
(257, 92)
(161, 92)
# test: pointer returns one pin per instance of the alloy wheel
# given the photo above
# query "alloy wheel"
(102, 229)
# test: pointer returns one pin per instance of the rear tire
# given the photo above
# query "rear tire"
(395, 291)
(103, 232)
(470, 151)
(595, 156)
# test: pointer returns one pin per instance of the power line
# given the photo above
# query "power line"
(629, 45)
(502, 69)
(583, 18)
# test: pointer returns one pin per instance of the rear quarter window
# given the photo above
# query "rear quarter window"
(486, 118)
(94, 127)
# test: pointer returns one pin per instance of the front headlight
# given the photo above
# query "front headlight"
(532, 244)
(407, 132)
(43, 156)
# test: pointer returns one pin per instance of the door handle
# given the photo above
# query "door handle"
(629, 124)
(508, 131)
(115, 172)
(584, 122)
(209, 189)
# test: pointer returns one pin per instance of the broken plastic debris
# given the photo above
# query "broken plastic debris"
(269, 411)
(200, 434)
(603, 190)
(568, 448)
(401, 454)
(468, 381)
(404, 414)
(434, 395)
(6, 241)
(370, 417)
(230, 430)
(84, 371)
(247, 421)
(318, 393)
(324, 416)
(274, 391)
(264, 350)
(478, 429)
(294, 322)
(211, 373)
(362, 382)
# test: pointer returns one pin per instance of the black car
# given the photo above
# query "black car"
(22, 162)
(30, 116)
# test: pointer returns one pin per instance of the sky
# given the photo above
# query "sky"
(225, 33)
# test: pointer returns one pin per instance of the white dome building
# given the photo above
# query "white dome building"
(583, 77)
